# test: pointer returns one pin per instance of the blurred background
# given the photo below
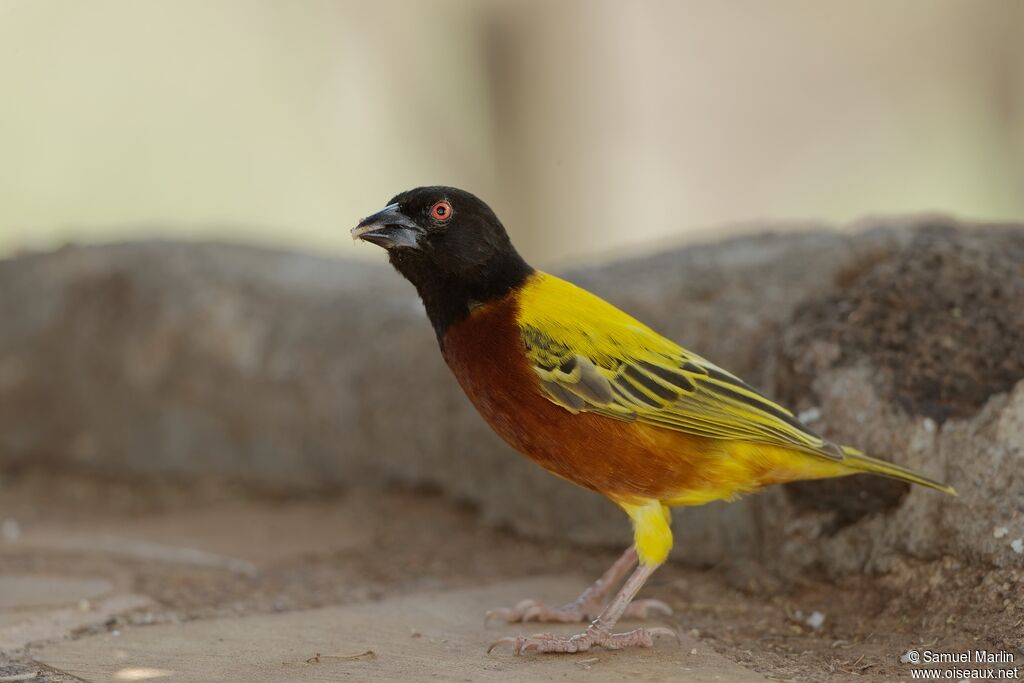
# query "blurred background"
(191, 427)
(590, 126)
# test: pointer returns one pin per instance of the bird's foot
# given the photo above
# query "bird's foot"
(581, 642)
(583, 609)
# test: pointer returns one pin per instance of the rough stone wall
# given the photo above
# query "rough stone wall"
(296, 373)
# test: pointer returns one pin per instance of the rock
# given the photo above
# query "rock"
(927, 354)
(296, 373)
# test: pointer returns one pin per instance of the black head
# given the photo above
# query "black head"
(452, 248)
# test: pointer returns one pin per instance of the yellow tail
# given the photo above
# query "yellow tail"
(865, 463)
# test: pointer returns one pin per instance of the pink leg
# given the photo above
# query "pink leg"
(599, 631)
(588, 605)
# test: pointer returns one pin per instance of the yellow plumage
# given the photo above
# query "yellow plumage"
(650, 378)
(590, 357)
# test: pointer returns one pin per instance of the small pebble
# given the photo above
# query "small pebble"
(929, 425)
(1000, 531)
(816, 620)
(693, 651)
(1017, 546)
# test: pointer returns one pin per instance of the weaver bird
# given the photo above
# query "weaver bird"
(593, 396)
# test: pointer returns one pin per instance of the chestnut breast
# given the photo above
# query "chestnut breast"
(623, 460)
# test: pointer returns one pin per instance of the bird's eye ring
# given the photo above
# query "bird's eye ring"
(441, 211)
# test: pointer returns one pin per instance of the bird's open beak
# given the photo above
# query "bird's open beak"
(388, 228)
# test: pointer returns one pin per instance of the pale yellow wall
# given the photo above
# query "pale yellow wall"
(591, 125)
(240, 119)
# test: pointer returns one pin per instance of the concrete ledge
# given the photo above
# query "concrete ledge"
(435, 636)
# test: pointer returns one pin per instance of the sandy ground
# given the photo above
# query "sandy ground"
(109, 580)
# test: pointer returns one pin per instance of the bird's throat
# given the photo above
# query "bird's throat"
(450, 298)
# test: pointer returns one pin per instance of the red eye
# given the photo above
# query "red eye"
(441, 211)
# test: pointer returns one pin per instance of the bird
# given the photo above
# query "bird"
(595, 397)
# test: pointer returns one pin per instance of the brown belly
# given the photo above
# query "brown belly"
(623, 460)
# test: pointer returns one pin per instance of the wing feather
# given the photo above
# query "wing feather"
(597, 359)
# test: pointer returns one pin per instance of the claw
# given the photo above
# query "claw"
(503, 613)
(503, 641)
(642, 609)
(523, 645)
(656, 631)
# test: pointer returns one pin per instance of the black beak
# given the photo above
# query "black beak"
(388, 228)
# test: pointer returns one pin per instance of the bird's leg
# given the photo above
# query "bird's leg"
(600, 630)
(588, 605)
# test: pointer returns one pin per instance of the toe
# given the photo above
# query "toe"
(544, 643)
(534, 610)
(564, 615)
(513, 614)
(660, 631)
(642, 637)
(642, 609)
(533, 613)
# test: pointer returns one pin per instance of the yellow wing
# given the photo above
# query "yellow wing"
(592, 357)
